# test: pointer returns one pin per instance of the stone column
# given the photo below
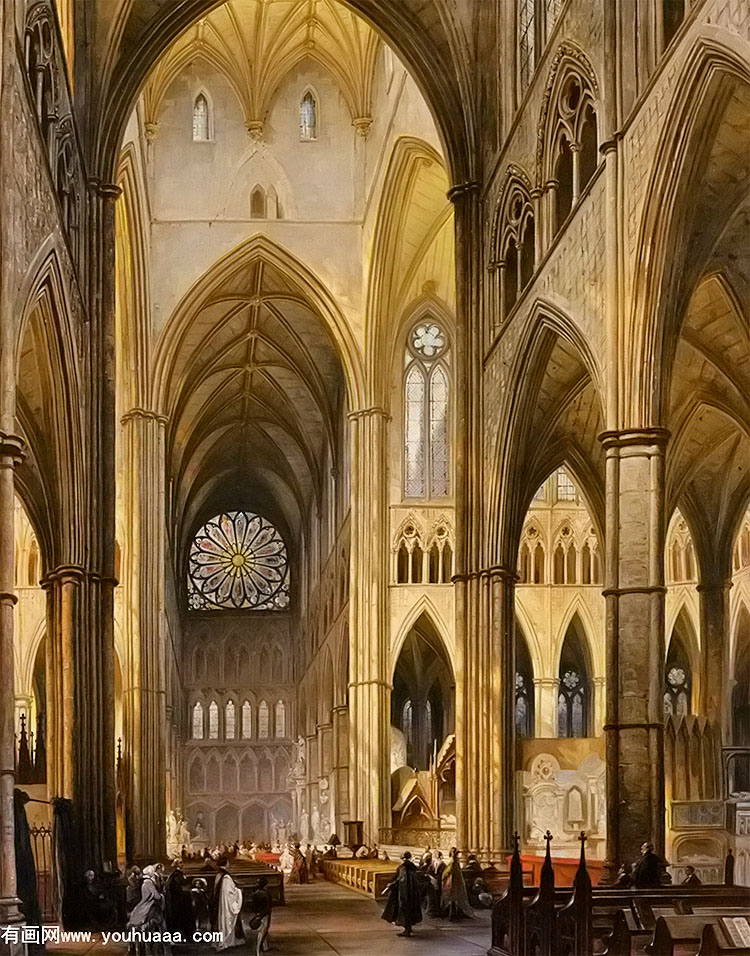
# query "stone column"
(11, 448)
(634, 595)
(369, 669)
(95, 732)
(713, 595)
(547, 689)
(600, 704)
(472, 588)
(64, 587)
(145, 668)
(340, 717)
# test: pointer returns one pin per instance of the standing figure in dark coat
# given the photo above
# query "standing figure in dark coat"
(179, 905)
(299, 867)
(435, 888)
(403, 906)
(647, 871)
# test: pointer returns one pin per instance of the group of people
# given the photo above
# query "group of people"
(159, 903)
(444, 890)
(650, 872)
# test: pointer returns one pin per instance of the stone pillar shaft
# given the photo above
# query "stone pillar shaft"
(634, 595)
(10, 455)
(714, 621)
(145, 666)
(369, 676)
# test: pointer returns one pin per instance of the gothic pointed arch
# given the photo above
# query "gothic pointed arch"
(432, 50)
(715, 81)
(422, 698)
(575, 701)
(48, 412)
(681, 668)
(554, 383)
(570, 62)
(524, 686)
(412, 212)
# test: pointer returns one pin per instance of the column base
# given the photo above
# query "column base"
(11, 920)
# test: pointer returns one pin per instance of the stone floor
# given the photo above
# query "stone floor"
(323, 919)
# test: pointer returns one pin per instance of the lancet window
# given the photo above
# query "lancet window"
(566, 489)
(263, 729)
(280, 719)
(573, 702)
(308, 117)
(427, 412)
(213, 721)
(677, 680)
(536, 20)
(229, 721)
(201, 119)
(524, 689)
(198, 721)
(247, 720)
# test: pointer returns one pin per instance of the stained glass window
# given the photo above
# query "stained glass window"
(213, 720)
(406, 715)
(229, 721)
(426, 414)
(280, 725)
(200, 119)
(677, 681)
(198, 722)
(415, 433)
(238, 561)
(524, 689)
(247, 720)
(573, 697)
(263, 720)
(439, 431)
(526, 41)
(308, 118)
(566, 490)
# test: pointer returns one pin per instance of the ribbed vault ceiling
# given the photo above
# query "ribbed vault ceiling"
(254, 390)
(255, 44)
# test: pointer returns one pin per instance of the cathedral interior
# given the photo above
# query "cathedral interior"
(375, 427)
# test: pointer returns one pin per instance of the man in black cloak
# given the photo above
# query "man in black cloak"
(647, 870)
(179, 906)
(25, 869)
(403, 906)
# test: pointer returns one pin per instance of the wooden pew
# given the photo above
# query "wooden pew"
(554, 922)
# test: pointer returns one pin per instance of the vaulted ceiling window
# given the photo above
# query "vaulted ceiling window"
(427, 413)
(201, 132)
(238, 561)
(308, 118)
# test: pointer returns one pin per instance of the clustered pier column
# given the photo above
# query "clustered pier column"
(634, 593)
(369, 672)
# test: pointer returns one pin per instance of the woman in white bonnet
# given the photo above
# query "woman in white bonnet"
(148, 915)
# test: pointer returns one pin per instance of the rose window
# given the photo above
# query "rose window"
(428, 339)
(238, 561)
